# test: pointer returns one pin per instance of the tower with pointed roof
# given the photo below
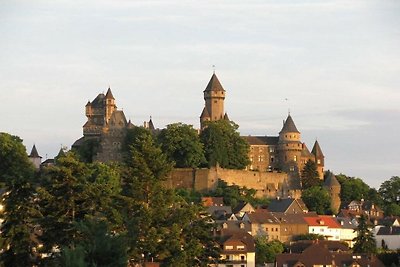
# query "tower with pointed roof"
(333, 186)
(319, 158)
(35, 158)
(289, 147)
(214, 96)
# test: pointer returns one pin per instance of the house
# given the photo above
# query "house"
(347, 230)
(287, 205)
(319, 254)
(291, 225)
(326, 226)
(263, 223)
(388, 236)
(357, 208)
(237, 250)
(231, 226)
(220, 212)
(242, 208)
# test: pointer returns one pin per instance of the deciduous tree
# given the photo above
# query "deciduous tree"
(317, 199)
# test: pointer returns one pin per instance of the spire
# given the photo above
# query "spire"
(331, 180)
(88, 103)
(317, 150)
(34, 153)
(109, 94)
(289, 126)
(214, 84)
(151, 125)
(226, 117)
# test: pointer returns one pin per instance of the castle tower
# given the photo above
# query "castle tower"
(109, 105)
(35, 158)
(319, 159)
(289, 147)
(214, 96)
(333, 186)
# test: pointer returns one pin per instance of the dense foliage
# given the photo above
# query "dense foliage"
(309, 175)
(317, 199)
(224, 146)
(266, 251)
(181, 143)
(95, 214)
(390, 192)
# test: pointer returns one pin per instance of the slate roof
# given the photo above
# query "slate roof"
(109, 94)
(389, 230)
(331, 180)
(219, 212)
(214, 84)
(317, 150)
(346, 223)
(262, 217)
(98, 101)
(261, 140)
(332, 246)
(289, 218)
(118, 117)
(240, 206)
(241, 236)
(34, 153)
(289, 126)
(282, 204)
(233, 226)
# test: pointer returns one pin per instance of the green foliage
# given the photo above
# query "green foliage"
(352, 189)
(309, 175)
(224, 146)
(16, 175)
(390, 192)
(73, 257)
(365, 241)
(88, 149)
(317, 199)
(160, 225)
(390, 258)
(234, 194)
(267, 251)
(308, 237)
(190, 196)
(181, 143)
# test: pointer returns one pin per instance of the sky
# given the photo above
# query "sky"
(334, 64)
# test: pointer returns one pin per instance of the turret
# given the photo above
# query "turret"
(89, 111)
(214, 96)
(35, 158)
(289, 146)
(110, 105)
(319, 158)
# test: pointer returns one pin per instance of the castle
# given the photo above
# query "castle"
(276, 161)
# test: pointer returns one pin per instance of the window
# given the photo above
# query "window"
(271, 150)
(318, 161)
(242, 258)
(240, 247)
(295, 158)
(228, 247)
(272, 158)
(260, 158)
(292, 168)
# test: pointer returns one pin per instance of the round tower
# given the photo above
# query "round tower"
(333, 186)
(214, 96)
(109, 105)
(289, 147)
(319, 159)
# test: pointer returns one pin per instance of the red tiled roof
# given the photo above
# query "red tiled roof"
(322, 220)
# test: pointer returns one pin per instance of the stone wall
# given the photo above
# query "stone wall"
(267, 184)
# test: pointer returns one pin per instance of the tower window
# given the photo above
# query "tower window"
(318, 161)
(295, 158)
(215, 101)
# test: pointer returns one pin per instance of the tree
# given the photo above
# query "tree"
(308, 237)
(181, 143)
(88, 149)
(160, 226)
(390, 192)
(309, 175)
(352, 188)
(224, 146)
(365, 241)
(16, 176)
(267, 251)
(317, 199)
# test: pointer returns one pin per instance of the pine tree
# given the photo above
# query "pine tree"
(365, 241)
(309, 175)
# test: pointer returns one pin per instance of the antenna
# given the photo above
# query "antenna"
(213, 66)
(287, 102)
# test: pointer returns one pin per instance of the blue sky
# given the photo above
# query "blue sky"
(337, 63)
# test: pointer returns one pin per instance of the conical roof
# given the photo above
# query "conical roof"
(226, 117)
(214, 84)
(109, 94)
(305, 152)
(289, 126)
(317, 150)
(331, 180)
(151, 125)
(34, 153)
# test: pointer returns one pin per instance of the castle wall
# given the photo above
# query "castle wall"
(266, 184)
